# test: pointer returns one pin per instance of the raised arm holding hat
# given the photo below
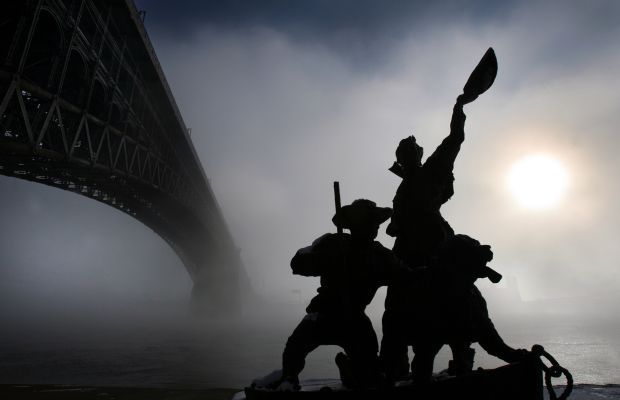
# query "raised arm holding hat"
(418, 226)
(417, 223)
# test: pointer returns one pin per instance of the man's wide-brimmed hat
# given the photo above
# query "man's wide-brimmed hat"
(361, 212)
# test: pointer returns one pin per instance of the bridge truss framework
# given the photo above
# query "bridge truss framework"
(85, 107)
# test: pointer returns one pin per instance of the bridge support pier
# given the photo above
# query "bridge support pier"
(218, 290)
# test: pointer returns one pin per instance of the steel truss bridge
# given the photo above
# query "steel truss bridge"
(85, 107)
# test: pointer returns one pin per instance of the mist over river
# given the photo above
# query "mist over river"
(180, 351)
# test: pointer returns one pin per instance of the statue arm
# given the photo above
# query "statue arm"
(308, 261)
(492, 343)
(457, 123)
(489, 339)
(444, 156)
(398, 271)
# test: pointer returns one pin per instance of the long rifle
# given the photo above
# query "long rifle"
(345, 265)
(337, 200)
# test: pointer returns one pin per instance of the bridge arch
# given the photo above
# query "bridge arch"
(43, 57)
(98, 101)
(88, 28)
(75, 242)
(75, 83)
(10, 20)
(118, 116)
(124, 143)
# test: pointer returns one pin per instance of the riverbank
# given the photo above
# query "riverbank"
(64, 392)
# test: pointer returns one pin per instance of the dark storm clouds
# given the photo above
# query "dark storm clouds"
(363, 31)
(320, 19)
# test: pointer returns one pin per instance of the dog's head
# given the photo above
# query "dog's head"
(467, 258)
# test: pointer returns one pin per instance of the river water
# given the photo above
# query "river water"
(184, 352)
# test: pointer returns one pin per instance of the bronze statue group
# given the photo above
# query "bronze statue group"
(430, 273)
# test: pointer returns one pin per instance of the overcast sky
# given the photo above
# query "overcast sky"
(285, 97)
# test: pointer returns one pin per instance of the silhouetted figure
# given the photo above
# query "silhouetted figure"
(455, 312)
(352, 267)
(417, 224)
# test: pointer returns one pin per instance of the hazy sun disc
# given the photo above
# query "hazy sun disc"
(538, 181)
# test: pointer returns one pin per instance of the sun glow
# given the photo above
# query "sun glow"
(538, 182)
